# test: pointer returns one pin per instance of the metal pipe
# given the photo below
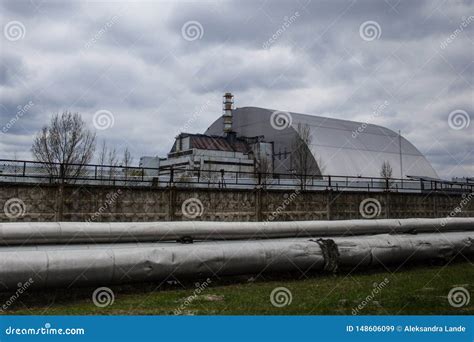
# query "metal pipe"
(27, 233)
(68, 266)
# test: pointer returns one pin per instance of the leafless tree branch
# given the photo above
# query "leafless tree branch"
(65, 145)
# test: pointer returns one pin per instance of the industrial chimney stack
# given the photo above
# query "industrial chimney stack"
(227, 107)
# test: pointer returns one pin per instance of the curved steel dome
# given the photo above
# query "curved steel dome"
(339, 147)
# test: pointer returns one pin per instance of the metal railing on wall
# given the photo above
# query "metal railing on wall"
(23, 171)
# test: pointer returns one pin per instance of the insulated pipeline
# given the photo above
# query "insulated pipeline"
(34, 233)
(74, 265)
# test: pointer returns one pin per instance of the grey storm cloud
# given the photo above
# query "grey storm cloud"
(135, 60)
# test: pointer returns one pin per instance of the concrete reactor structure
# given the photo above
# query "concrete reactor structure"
(252, 139)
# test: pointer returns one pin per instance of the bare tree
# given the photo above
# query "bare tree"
(303, 162)
(386, 170)
(65, 141)
(263, 168)
(211, 175)
(102, 158)
(112, 162)
(16, 166)
(112, 159)
(264, 165)
(103, 153)
(126, 162)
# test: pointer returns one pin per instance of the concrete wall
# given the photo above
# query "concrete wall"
(23, 202)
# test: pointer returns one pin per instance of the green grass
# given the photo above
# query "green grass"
(415, 290)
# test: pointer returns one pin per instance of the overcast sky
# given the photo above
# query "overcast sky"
(148, 69)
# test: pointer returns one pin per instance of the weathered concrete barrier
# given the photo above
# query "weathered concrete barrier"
(94, 203)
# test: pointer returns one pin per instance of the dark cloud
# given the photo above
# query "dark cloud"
(12, 70)
(131, 59)
(28, 8)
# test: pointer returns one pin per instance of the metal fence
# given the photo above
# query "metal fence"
(22, 171)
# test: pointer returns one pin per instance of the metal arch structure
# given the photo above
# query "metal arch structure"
(339, 147)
